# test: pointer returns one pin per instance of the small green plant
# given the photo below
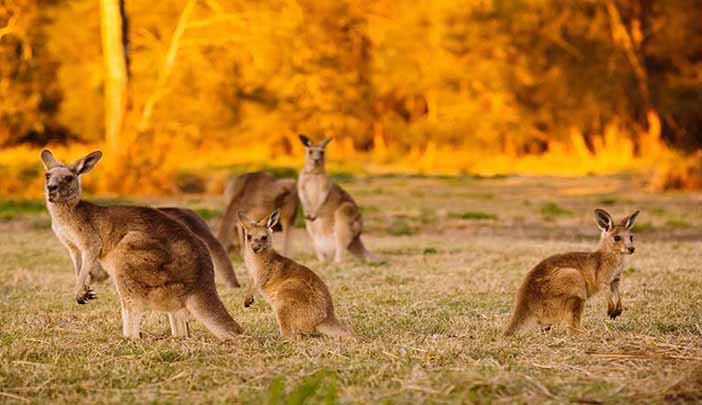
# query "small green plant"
(305, 390)
(552, 210)
(479, 215)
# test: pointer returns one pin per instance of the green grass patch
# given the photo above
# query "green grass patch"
(643, 227)
(400, 227)
(608, 200)
(208, 213)
(479, 215)
(677, 223)
(551, 211)
(13, 208)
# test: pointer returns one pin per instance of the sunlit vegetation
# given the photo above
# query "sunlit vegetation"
(438, 87)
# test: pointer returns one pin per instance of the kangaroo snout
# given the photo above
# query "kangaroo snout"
(631, 249)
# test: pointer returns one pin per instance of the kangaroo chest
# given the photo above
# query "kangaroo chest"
(314, 188)
(66, 232)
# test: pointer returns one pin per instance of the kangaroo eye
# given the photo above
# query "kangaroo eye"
(617, 238)
(264, 238)
(47, 176)
(69, 178)
(248, 237)
(631, 238)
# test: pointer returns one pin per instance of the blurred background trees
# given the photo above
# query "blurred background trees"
(436, 85)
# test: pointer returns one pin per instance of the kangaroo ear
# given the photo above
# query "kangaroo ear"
(631, 220)
(604, 220)
(273, 219)
(49, 160)
(86, 164)
(325, 142)
(305, 140)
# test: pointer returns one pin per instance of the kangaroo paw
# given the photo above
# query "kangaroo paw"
(86, 295)
(614, 313)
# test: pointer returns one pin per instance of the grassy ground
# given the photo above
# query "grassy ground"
(428, 320)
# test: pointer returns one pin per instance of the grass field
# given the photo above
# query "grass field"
(428, 320)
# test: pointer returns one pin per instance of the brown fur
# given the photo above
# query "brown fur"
(556, 290)
(300, 299)
(220, 259)
(154, 261)
(332, 217)
(257, 194)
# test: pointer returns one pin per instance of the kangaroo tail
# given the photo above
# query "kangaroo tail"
(518, 322)
(358, 249)
(206, 307)
(332, 327)
(222, 265)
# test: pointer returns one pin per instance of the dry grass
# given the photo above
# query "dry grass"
(429, 320)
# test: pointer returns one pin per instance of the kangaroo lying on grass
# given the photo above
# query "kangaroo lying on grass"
(556, 289)
(152, 258)
(300, 299)
(257, 194)
(332, 217)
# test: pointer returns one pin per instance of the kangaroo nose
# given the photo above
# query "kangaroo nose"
(631, 249)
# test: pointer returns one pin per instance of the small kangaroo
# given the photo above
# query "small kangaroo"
(332, 217)
(153, 259)
(257, 194)
(300, 299)
(556, 289)
(222, 265)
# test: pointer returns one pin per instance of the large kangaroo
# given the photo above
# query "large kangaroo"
(257, 194)
(332, 217)
(556, 289)
(222, 265)
(300, 299)
(153, 260)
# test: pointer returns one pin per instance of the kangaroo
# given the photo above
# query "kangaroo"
(153, 260)
(257, 194)
(222, 265)
(556, 289)
(220, 259)
(332, 217)
(300, 299)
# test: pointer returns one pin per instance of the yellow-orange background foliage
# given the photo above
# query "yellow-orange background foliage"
(442, 86)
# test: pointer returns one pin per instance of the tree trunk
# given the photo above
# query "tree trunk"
(115, 61)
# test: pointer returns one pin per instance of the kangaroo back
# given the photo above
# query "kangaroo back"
(222, 265)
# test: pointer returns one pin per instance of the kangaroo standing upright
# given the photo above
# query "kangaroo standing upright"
(153, 259)
(556, 289)
(300, 299)
(332, 217)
